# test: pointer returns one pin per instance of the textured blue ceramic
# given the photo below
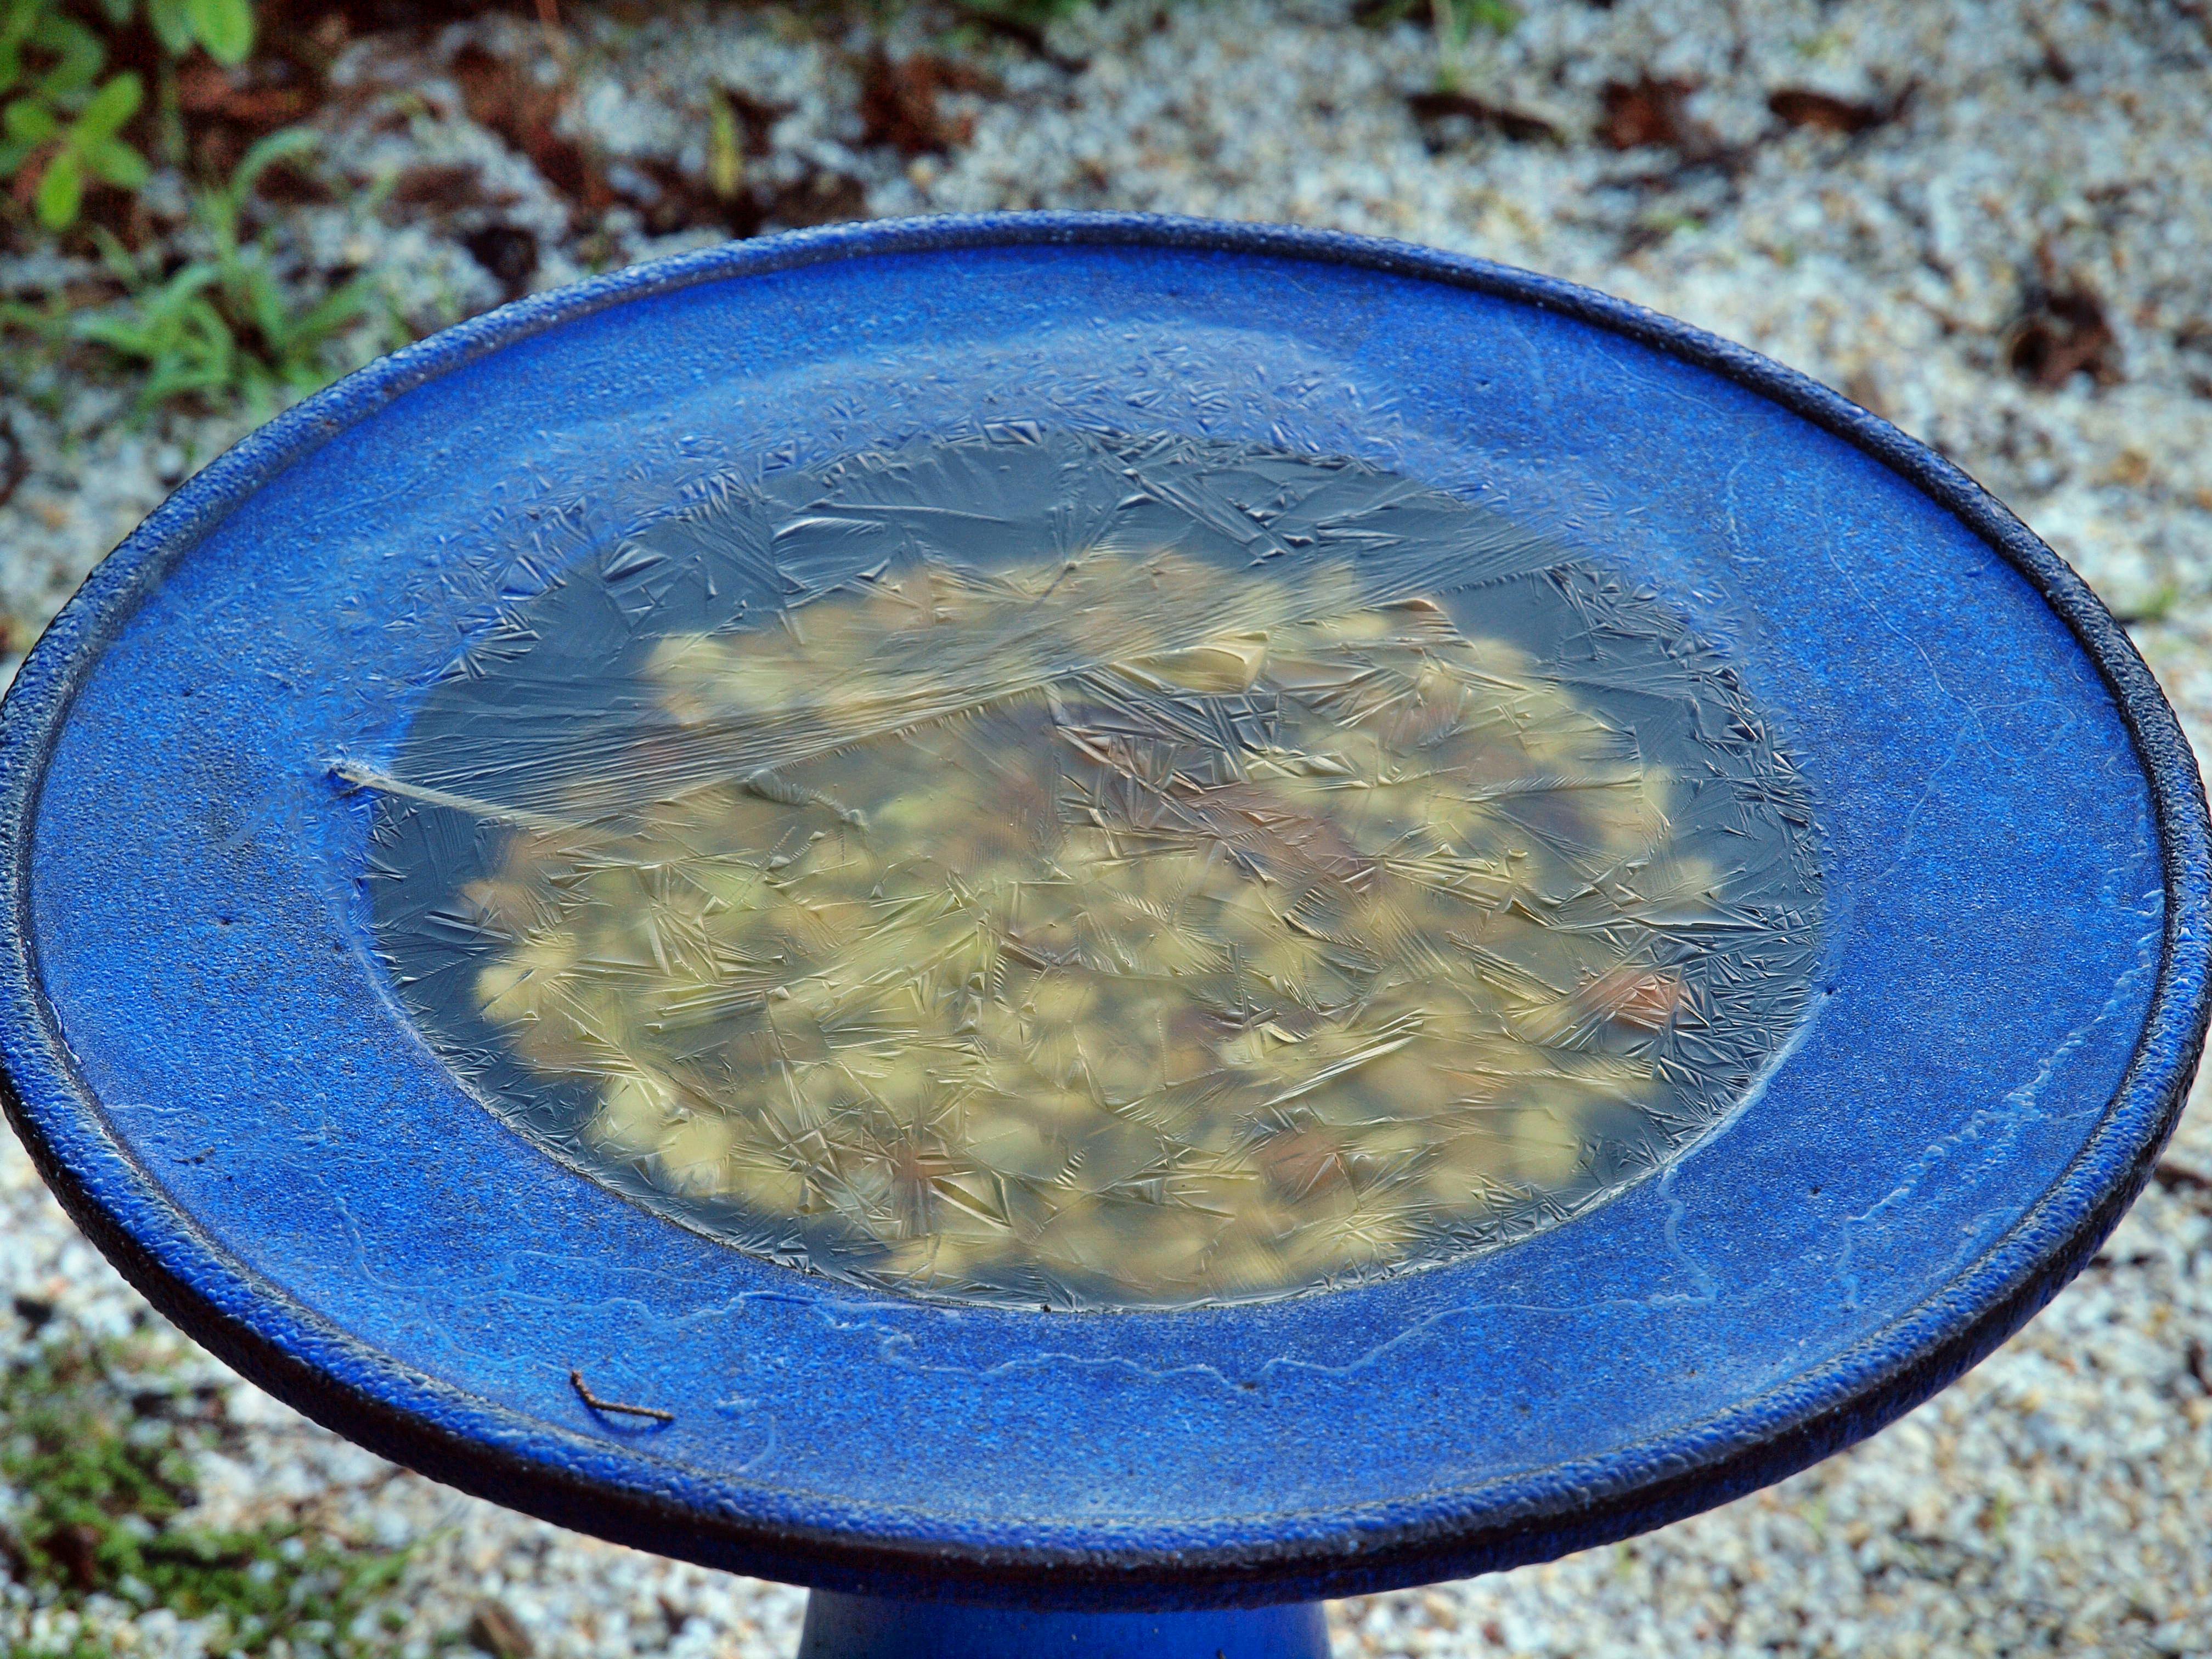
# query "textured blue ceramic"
(870, 1627)
(207, 1062)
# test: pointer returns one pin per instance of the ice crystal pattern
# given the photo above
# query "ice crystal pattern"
(1128, 927)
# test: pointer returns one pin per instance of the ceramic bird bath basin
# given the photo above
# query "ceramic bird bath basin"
(1083, 928)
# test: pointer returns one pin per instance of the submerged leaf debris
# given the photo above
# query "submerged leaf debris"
(1201, 876)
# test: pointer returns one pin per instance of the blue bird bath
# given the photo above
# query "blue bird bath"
(1082, 927)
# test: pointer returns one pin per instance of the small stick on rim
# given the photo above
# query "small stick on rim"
(584, 1394)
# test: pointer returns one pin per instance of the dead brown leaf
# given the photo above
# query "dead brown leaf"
(1822, 111)
(447, 184)
(76, 1546)
(526, 112)
(507, 252)
(14, 463)
(1649, 110)
(2063, 332)
(821, 198)
(248, 95)
(496, 1630)
(1519, 125)
(898, 101)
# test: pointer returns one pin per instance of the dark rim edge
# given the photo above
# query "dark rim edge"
(635, 1498)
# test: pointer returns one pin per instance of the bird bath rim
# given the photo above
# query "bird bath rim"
(624, 1493)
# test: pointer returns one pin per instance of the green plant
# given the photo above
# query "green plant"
(2155, 606)
(223, 324)
(64, 114)
(99, 1456)
(225, 28)
(1023, 20)
(726, 151)
(84, 1644)
(1660, 223)
(1452, 23)
(1026, 14)
(1455, 22)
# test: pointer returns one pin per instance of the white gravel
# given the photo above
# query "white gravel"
(2054, 1501)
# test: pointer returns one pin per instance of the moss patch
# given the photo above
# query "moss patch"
(97, 1449)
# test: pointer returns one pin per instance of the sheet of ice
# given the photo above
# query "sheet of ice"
(1062, 870)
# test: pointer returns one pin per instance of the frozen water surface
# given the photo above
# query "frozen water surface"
(1055, 869)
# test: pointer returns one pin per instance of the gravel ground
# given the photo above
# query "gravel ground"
(1991, 223)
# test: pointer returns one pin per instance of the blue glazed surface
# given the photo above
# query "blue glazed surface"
(205, 1059)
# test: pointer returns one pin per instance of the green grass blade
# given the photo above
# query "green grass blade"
(172, 25)
(61, 190)
(225, 28)
(111, 107)
(119, 164)
(29, 121)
